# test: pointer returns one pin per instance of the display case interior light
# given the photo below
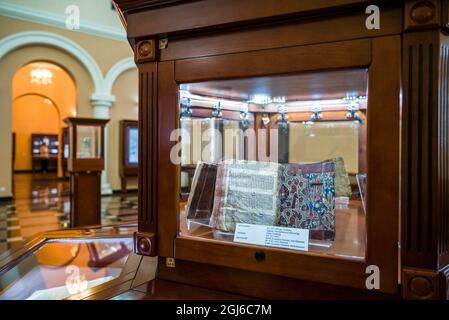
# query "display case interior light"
(41, 76)
(202, 101)
(271, 104)
(262, 99)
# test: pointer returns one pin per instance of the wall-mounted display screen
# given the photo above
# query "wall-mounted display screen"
(133, 145)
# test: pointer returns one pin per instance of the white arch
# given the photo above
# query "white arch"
(26, 38)
(116, 70)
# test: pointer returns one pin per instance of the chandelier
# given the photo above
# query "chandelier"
(41, 76)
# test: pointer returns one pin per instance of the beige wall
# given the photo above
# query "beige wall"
(106, 52)
(125, 107)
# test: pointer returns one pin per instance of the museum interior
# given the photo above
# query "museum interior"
(212, 149)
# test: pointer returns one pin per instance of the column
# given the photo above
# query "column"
(102, 105)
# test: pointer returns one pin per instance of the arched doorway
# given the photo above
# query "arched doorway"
(43, 95)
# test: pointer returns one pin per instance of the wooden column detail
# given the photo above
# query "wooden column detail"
(145, 240)
(421, 14)
(425, 163)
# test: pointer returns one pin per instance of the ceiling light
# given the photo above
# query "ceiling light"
(41, 76)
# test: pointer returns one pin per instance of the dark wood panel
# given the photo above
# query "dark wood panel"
(202, 14)
(308, 86)
(346, 54)
(383, 152)
(314, 267)
(258, 285)
(308, 31)
(168, 183)
(147, 147)
(83, 165)
(85, 202)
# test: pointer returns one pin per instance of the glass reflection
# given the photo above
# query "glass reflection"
(62, 268)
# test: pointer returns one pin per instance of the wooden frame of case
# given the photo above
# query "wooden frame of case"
(82, 165)
(212, 39)
(282, 262)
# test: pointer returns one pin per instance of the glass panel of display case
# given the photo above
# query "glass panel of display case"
(88, 142)
(61, 268)
(276, 161)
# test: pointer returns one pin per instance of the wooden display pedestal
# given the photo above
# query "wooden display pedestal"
(85, 162)
(85, 198)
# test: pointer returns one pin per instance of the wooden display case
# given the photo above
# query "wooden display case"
(52, 141)
(85, 164)
(407, 219)
(129, 147)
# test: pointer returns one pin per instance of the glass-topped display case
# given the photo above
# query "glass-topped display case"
(69, 264)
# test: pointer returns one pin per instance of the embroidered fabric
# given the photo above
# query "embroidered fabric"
(307, 198)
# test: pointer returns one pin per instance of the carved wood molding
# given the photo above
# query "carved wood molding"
(422, 14)
(420, 284)
(145, 244)
(145, 51)
(425, 149)
(148, 172)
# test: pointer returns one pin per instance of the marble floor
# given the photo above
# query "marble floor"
(42, 203)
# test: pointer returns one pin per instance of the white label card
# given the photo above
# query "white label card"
(281, 237)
